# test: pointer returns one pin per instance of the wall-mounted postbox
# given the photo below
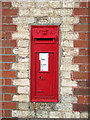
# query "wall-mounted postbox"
(44, 63)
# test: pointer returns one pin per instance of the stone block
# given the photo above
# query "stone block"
(66, 90)
(68, 82)
(21, 82)
(23, 74)
(21, 98)
(23, 114)
(55, 114)
(23, 90)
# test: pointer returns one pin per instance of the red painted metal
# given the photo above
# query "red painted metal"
(44, 84)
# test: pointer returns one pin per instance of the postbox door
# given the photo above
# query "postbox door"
(44, 74)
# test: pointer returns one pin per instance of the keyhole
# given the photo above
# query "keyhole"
(40, 77)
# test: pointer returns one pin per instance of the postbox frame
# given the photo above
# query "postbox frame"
(60, 52)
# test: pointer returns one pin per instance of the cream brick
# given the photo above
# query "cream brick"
(55, 114)
(20, 66)
(67, 43)
(23, 60)
(43, 5)
(68, 4)
(24, 12)
(67, 67)
(23, 43)
(21, 98)
(66, 90)
(23, 114)
(42, 13)
(21, 82)
(22, 27)
(23, 20)
(69, 36)
(23, 55)
(84, 115)
(70, 51)
(68, 99)
(66, 28)
(63, 12)
(65, 74)
(25, 106)
(21, 35)
(70, 20)
(55, 20)
(71, 115)
(23, 74)
(66, 12)
(42, 114)
(23, 4)
(21, 50)
(66, 60)
(23, 90)
(68, 83)
(55, 4)
(63, 107)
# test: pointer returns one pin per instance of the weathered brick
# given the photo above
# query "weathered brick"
(81, 43)
(81, 99)
(6, 19)
(81, 59)
(82, 36)
(81, 27)
(80, 11)
(8, 43)
(6, 4)
(9, 27)
(83, 4)
(8, 50)
(1, 50)
(8, 58)
(8, 105)
(82, 84)
(88, 19)
(6, 35)
(7, 113)
(81, 107)
(88, 83)
(87, 99)
(83, 20)
(7, 81)
(7, 66)
(88, 36)
(84, 67)
(9, 89)
(81, 91)
(8, 74)
(10, 12)
(7, 97)
(83, 52)
(80, 75)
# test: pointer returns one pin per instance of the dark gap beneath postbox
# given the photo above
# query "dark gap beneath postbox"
(44, 38)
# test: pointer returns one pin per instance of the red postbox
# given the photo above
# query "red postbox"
(44, 63)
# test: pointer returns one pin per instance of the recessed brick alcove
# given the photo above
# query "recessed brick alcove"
(74, 58)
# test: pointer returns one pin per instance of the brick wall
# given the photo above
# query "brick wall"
(8, 57)
(74, 69)
(82, 91)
